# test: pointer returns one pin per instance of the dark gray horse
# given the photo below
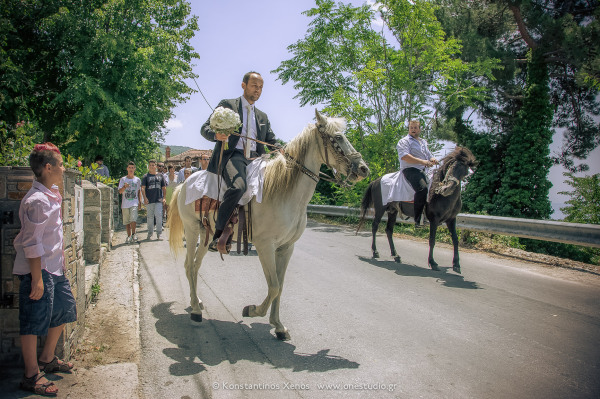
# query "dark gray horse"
(443, 204)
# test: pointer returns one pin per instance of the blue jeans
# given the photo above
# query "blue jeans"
(154, 211)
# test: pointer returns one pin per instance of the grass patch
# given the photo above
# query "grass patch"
(95, 291)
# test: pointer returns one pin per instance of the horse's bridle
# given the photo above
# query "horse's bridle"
(338, 153)
(447, 179)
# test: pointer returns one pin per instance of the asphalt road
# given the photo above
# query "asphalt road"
(370, 328)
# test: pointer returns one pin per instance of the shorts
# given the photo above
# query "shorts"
(55, 308)
(130, 215)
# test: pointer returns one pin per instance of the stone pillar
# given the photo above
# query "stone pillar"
(92, 222)
(107, 194)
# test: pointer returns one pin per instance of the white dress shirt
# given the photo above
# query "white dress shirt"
(251, 122)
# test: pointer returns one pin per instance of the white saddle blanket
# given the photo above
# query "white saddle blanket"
(203, 183)
(395, 187)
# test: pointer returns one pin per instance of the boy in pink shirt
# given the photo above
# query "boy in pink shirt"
(46, 303)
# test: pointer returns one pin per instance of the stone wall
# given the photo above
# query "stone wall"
(92, 221)
(14, 184)
(106, 202)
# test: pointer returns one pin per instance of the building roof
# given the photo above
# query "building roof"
(192, 153)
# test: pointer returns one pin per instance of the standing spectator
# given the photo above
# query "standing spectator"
(161, 169)
(188, 164)
(102, 169)
(154, 190)
(187, 172)
(46, 302)
(204, 160)
(130, 187)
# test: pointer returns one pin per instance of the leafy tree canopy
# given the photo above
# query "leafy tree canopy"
(584, 203)
(98, 76)
(380, 79)
(565, 33)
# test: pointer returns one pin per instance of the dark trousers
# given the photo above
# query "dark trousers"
(234, 175)
(418, 181)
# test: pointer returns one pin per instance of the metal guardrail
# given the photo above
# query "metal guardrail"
(587, 235)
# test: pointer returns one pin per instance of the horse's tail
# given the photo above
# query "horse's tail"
(175, 224)
(366, 203)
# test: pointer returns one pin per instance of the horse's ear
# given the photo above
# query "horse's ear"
(321, 120)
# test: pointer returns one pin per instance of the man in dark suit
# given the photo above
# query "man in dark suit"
(240, 152)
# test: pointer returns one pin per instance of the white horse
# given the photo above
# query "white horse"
(280, 219)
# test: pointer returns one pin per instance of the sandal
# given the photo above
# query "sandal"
(54, 365)
(31, 385)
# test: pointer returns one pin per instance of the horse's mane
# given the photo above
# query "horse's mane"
(280, 173)
(461, 155)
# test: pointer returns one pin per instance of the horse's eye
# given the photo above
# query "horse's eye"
(339, 137)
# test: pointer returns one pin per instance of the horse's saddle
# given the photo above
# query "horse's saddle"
(241, 215)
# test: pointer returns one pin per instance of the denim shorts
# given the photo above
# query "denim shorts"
(56, 307)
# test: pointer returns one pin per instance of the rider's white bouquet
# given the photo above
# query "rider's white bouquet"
(225, 121)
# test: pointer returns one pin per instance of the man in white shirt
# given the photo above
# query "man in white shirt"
(414, 158)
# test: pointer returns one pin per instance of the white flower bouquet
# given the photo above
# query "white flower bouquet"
(225, 121)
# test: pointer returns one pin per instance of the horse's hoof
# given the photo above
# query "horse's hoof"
(434, 266)
(398, 259)
(456, 269)
(375, 255)
(196, 317)
(246, 311)
(283, 335)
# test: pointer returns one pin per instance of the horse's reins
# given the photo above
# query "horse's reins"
(321, 176)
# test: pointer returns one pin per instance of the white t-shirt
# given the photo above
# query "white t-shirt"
(130, 195)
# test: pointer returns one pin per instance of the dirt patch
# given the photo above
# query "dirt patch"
(111, 332)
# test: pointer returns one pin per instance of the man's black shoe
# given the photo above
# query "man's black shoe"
(212, 247)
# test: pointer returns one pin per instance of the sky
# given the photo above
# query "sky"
(235, 37)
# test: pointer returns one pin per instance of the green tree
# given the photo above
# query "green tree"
(98, 77)
(584, 203)
(524, 181)
(379, 80)
(16, 143)
(562, 37)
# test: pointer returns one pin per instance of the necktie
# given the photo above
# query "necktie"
(247, 143)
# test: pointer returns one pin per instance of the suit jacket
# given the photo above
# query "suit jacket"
(263, 133)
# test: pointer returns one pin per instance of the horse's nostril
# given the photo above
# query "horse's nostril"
(364, 170)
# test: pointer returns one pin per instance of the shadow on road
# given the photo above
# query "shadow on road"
(402, 269)
(212, 342)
